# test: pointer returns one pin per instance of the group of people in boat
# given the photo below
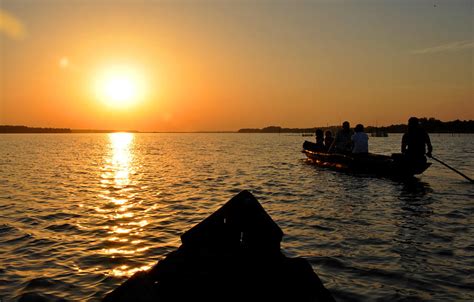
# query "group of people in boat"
(415, 145)
(346, 140)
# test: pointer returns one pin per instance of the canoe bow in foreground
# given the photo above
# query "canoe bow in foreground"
(375, 164)
(233, 255)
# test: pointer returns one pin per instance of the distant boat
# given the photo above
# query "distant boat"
(232, 255)
(373, 164)
(379, 133)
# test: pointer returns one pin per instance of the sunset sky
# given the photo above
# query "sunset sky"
(224, 65)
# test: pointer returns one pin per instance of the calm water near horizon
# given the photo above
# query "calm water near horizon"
(79, 213)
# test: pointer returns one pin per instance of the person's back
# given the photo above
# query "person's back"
(342, 142)
(415, 140)
(360, 141)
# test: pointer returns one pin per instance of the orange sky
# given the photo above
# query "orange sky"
(225, 65)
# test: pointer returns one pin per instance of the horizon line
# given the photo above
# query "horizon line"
(79, 130)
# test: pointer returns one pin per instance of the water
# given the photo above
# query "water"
(79, 213)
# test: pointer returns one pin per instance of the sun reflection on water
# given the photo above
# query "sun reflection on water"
(124, 224)
(120, 162)
(125, 270)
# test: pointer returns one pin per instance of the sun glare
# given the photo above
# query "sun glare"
(120, 87)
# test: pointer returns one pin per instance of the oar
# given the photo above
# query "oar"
(472, 181)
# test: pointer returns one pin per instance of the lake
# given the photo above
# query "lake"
(79, 213)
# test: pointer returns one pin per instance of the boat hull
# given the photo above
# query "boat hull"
(374, 164)
(233, 255)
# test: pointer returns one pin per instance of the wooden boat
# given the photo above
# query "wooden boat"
(396, 165)
(233, 255)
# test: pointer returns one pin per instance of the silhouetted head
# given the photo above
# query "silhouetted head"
(346, 125)
(413, 122)
(328, 133)
(359, 128)
(319, 133)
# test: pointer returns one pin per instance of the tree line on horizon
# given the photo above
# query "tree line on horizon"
(25, 129)
(431, 125)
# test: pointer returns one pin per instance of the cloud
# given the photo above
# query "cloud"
(453, 46)
(11, 26)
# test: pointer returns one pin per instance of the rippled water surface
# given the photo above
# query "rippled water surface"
(79, 213)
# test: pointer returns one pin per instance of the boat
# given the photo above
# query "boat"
(396, 165)
(379, 133)
(232, 255)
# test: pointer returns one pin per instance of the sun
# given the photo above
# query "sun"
(120, 86)
(120, 89)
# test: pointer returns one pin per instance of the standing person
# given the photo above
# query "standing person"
(360, 141)
(342, 142)
(328, 139)
(415, 140)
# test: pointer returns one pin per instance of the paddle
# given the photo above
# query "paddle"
(472, 181)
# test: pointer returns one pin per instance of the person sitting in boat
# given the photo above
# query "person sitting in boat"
(360, 141)
(319, 139)
(328, 139)
(342, 142)
(415, 141)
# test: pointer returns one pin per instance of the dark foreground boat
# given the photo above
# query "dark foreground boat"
(374, 164)
(233, 255)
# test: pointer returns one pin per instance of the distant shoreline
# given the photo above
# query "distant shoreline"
(202, 132)
(431, 125)
(40, 130)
